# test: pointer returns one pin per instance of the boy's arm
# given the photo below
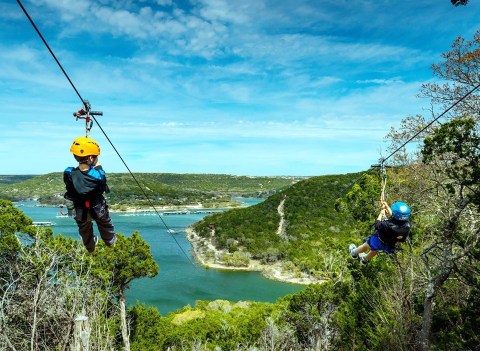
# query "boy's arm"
(70, 194)
(386, 208)
(381, 215)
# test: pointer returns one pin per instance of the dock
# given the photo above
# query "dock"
(43, 224)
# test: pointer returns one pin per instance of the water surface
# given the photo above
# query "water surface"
(181, 281)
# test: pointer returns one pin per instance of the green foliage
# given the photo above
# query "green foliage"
(217, 324)
(362, 201)
(10, 179)
(237, 259)
(148, 328)
(312, 313)
(47, 280)
(457, 144)
(313, 225)
(12, 221)
(128, 259)
(454, 323)
(375, 314)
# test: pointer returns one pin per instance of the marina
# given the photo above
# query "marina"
(167, 213)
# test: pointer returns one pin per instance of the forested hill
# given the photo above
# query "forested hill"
(308, 236)
(162, 188)
(10, 179)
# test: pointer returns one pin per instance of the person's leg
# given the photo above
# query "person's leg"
(107, 230)
(365, 258)
(104, 223)
(373, 244)
(362, 248)
(355, 251)
(371, 255)
(85, 228)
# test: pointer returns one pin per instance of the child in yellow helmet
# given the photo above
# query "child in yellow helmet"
(85, 186)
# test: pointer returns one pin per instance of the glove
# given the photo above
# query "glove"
(70, 208)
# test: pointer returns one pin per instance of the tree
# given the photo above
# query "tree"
(445, 188)
(312, 313)
(129, 259)
(460, 69)
(454, 152)
(12, 221)
(362, 201)
(457, 146)
(44, 285)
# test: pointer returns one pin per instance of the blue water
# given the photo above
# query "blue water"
(181, 281)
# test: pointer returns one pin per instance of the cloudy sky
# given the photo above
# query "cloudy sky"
(248, 87)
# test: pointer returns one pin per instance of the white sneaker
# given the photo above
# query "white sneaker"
(351, 250)
(363, 258)
(112, 242)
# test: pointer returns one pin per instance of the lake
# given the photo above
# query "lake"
(181, 281)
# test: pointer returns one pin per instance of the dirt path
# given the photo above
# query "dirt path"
(281, 225)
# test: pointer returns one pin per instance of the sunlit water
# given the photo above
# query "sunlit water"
(181, 281)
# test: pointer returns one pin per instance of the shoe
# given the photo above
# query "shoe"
(363, 259)
(112, 242)
(95, 239)
(351, 250)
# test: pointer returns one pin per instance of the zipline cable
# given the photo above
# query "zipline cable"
(433, 121)
(104, 133)
(382, 160)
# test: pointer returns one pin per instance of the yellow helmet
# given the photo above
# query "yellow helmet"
(83, 146)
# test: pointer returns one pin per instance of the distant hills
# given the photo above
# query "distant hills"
(10, 179)
(163, 189)
(304, 238)
(313, 238)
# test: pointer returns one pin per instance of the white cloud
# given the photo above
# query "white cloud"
(164, 2)
(229, 11)
(256, 83)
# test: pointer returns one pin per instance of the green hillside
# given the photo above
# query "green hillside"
(162, 188)
(312, 227)
(10, 179)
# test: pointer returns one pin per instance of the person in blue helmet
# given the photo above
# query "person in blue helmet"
(392, 227)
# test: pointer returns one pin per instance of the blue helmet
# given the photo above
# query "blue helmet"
(401, 211)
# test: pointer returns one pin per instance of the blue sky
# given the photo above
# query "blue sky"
(247, 87)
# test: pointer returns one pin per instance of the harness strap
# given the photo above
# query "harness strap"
(87, 209)
(377, 234)
(384, 179)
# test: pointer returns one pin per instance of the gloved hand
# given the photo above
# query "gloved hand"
(70, 208)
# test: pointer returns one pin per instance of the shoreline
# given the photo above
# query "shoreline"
(135, 210)
(185, 208)
(208, 256)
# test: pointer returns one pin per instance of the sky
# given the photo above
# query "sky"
(244, 87)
